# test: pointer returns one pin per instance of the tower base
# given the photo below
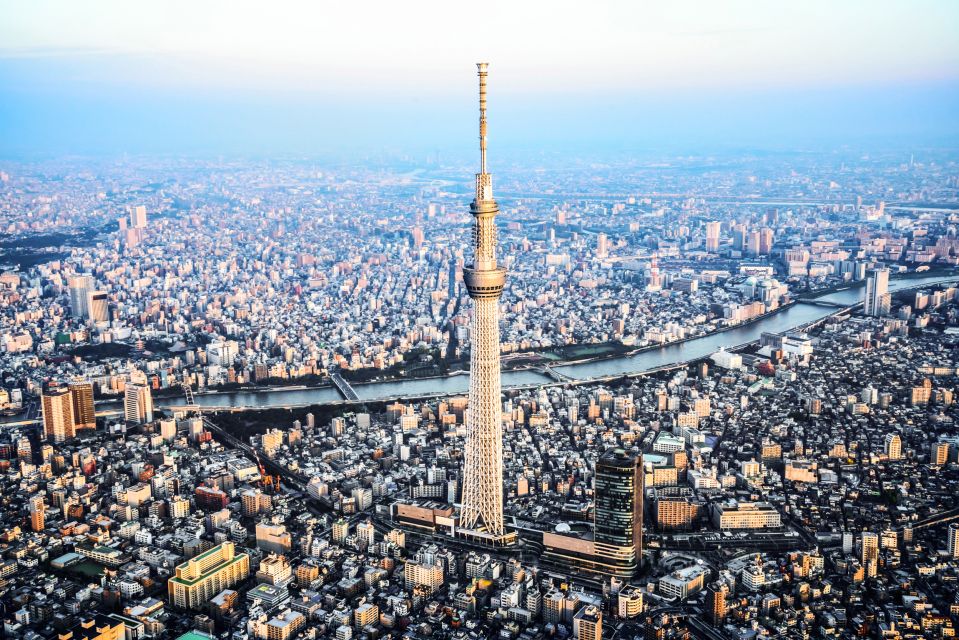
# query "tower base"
(507, 539)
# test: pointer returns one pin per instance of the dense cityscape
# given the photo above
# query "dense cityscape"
(798, 485)
(512, 395)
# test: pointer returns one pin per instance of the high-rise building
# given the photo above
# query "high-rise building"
(588, 623)
(138, 217)
(712, 235)
(878, 300)
(79, 287)
(752, 243)
(739, 237)
(98, 307)
(654, 282)
(202, 577)
(618, 512)
(482, 508)
(940, 453)
(37, 512)
(716, 593)
(602, 245)
(84, 413)
(137, 403)
(765, 241)
(58, 420)
(418, 236)
(425, 573)
(952, 542)
(870, 552)
(893, 446)
(341, 530)
(676, 512)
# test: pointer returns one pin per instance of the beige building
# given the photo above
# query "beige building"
(629, 601)
(273, 538)
(366, 614)
(588, 623)
(745, 515)
(280, 627)
(426, 575)
(58, 424)
(200, 578)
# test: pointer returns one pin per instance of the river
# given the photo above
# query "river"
(795, 316)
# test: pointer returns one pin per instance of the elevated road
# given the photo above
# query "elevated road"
(294, 479)
(939, 518)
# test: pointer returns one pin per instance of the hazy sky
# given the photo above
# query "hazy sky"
(357, 76)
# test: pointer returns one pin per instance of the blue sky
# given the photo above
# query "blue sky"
(355, 77)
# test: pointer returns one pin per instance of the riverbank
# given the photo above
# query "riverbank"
(659, 357)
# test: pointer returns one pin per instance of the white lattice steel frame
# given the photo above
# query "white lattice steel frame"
(482, 507)
(483, 486)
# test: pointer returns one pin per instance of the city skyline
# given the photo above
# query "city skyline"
(278, 362)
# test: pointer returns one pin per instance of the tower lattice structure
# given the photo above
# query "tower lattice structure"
(482, 506)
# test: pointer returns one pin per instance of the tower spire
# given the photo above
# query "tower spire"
(484, 181)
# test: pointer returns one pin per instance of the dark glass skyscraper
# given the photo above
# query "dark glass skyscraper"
(618, 515)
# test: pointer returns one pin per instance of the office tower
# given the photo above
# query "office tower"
(483, 472)
(716, 593)
(84, 413)
(765, 241)
(137, 403)
(98, 308)
(952, 543)
(37, 509)
(878, 300)
(752, 243)
(618, 512)
(57, 414)
(712, 236)
(602, 245)
(870, 552)
(200, 578)
(138, 217)
(418, 237)
(588, 623)
(893, 446)
(739, 237)
(79, 287)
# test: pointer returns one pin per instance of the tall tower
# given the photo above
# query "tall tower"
(878, 299)
(57, 414)
(483, 475)
(618, 511)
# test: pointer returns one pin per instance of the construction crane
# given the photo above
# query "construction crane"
(268, 481)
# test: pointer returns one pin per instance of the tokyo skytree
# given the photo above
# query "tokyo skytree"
(482, 508)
